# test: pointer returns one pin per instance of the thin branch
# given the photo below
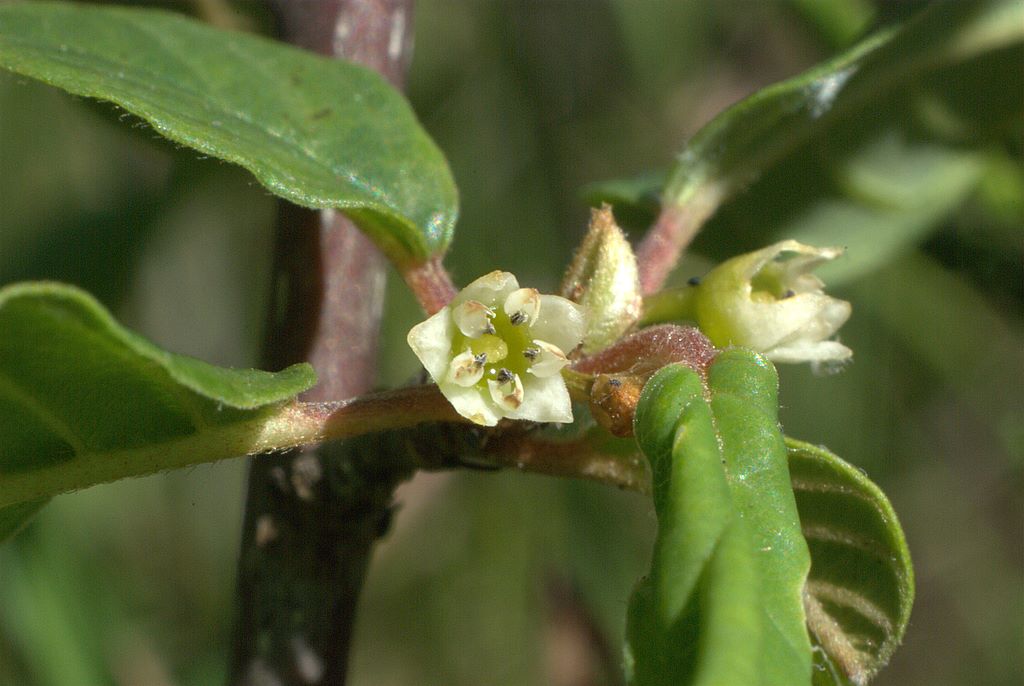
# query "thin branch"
(431, 284)
(578, 459)
(313, 515)
(673, 231)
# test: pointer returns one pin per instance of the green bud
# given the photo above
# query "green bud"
(603, 278)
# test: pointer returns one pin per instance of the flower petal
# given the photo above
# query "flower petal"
(561, 323)
(490, 289)
(431, 340)
(810, 351)
(829, 316)
(471, 403)
(544, 400)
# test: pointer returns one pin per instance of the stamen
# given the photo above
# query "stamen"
(548, 361)
(506, 390)
(473, 318)
(531, 353)
(480, 360)
(464, 370)
(523, 306)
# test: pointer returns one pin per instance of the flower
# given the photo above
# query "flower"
(498, 351)
(774, 306)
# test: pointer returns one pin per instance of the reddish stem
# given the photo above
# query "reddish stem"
(431, 284)
(576, 459)
(674, 230)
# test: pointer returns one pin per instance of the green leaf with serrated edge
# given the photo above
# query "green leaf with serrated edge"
(83, 400)
(322, 133)
(746, 139)
(861, 585)
(722, 603)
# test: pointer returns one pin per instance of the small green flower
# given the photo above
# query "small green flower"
(774, 306)
(498, 351)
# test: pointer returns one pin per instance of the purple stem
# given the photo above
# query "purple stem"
(313, 515)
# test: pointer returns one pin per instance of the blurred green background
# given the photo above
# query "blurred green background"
(506, 579)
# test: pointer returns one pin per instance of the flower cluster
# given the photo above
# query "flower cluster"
(498, 351)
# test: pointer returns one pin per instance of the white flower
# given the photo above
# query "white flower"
(498, 351)
(776, 307)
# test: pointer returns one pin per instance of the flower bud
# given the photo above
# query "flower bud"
(603, 277)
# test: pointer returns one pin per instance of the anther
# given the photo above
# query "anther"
(531, 353)
(522, 306)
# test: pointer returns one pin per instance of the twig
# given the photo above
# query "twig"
(672, 233)
(313, 515)
(577, 459)
(431, 284)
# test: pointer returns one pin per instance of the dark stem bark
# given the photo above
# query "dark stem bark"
(313, 515)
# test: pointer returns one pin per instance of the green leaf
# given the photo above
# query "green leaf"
(838, 22)
(14, 517)
(752, 134)
(322, 133)
(722, 603)
(636, 200)
(897, 96)
(861, 585)
(83, 401)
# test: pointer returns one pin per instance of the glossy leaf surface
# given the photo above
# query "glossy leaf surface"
(321, 133)
(722, 602)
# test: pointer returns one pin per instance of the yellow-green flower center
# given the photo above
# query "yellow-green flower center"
(509, 347)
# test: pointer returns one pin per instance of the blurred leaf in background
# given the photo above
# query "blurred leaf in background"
(531, 101)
